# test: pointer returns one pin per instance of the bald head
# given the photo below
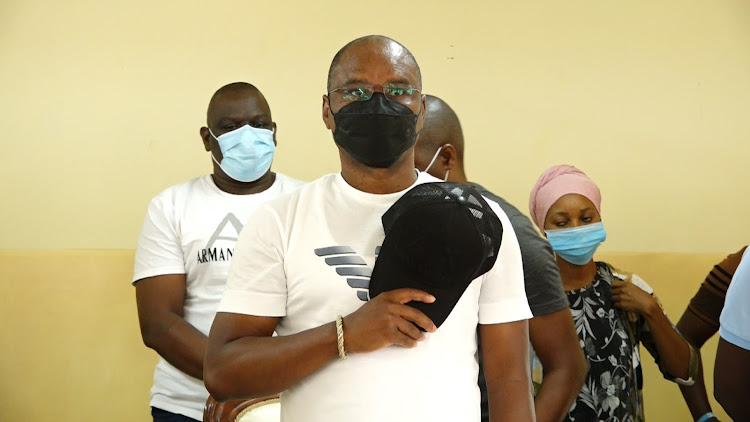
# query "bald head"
(235, 93)
(376, 45)
(441, 126)
(440, 144)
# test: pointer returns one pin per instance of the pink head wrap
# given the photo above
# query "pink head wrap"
(556, 182)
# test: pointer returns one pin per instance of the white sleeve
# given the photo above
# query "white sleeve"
(257, 280)
(735, 317)
(503, 295)
(159, 250)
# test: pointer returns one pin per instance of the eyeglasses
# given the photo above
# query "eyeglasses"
(403, 93)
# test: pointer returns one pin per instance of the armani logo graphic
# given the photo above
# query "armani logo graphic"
(228, 230)
(350, 265)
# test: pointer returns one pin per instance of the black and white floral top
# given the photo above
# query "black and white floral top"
(609, 338)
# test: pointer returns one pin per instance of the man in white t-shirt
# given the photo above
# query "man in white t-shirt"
(732, 367)
(306, 259)
(188, 240)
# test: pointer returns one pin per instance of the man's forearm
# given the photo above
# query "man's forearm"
(262, 366)
(511, 402)
(673, 349)
(180, 344)
(556, 394)
(696, 396)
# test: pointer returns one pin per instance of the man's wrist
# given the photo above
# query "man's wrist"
(340, 336)
(706, 416)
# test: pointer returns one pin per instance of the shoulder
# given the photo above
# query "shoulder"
(287, 183)
(174, 193)
(520, 222)
(294, 190)
(731, 262)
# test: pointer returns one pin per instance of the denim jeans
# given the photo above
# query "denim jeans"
(164, 416)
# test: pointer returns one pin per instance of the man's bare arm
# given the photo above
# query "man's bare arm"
(731, 381)
(697, 332)
(505, 351)
(556, 344)
(244, 360)
(160, 302)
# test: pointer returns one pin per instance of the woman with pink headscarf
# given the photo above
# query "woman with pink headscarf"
(613, 312)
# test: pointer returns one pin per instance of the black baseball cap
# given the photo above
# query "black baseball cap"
(438, 238)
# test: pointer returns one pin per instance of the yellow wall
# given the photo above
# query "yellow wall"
(101, 104)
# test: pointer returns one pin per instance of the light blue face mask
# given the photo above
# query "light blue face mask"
(577, 245)
(247, 152)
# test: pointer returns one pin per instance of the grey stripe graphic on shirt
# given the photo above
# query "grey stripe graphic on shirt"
(358, 283)
(334, 250)
(349, 264)
(347, 259)
(362, 272)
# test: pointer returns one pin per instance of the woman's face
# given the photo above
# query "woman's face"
(571, 210)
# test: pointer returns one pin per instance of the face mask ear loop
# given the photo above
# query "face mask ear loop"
(434, 157)
(217, 140)
(447, 172)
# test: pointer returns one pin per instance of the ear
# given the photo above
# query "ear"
(448, 156)
(422, 112)
(274, 133)
(327, 115)
(206, 137)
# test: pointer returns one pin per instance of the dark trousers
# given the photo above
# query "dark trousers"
(164, 416)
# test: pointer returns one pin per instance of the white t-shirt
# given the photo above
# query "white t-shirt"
(735, 317)
(307, 257)
(192, 229)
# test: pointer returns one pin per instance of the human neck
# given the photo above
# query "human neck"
(229, 185)
(457, 175)
(574, 276)
(378, 180)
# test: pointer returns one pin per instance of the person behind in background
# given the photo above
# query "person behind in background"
(613, 312)
(700, 321)
(732, 366)
(187, 243)
(304, 261)
(440, 152)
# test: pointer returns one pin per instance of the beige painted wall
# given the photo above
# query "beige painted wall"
(101, 103)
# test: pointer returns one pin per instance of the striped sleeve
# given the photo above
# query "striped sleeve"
(709, 300)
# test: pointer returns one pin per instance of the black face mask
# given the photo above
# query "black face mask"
(375, 132)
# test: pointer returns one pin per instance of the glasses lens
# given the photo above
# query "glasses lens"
(403, 93)
(360, 93)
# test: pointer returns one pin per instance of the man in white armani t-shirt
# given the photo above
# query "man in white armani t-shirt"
(304, 261)
(188, 241)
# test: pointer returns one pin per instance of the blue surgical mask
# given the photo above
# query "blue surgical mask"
(247, 152)
(577, 245)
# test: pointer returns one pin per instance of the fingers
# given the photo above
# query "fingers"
(417, 317)
(408, 328)
(404, 340)
(406, 295)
